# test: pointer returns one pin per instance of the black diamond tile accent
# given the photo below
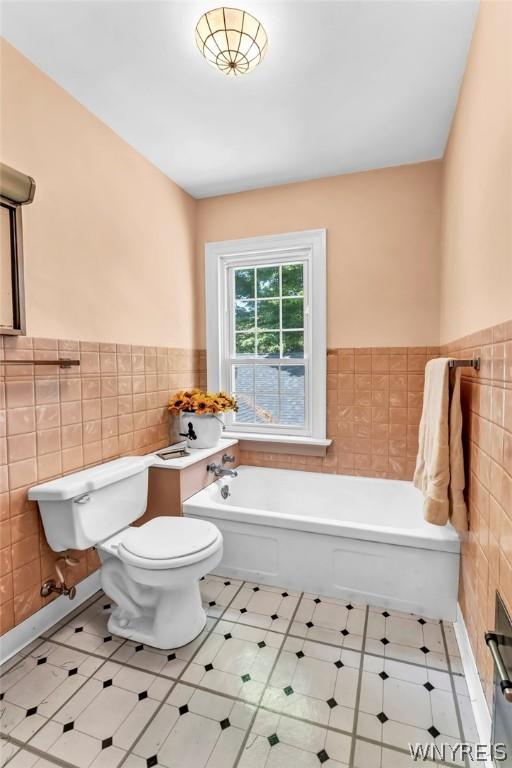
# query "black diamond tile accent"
(309, 624)
(208, 667)
(382, 717)
(107, 683)
(212, 603)
(152, 761)
(288, 690)
(183, 710)
(73, 671)
(299, 655)
(424, 649)
(143, 695)
(274, 616)
(262, 644)
(350, 607)
(78, 629)
(383, 675)
(228, 636)
(107, 606)
(246, 678)
(1, 696)
(385, 614)
(107, 639)
(317, 600)
(68, 727)
(433, 732)
(345, 632)
(107, 743)
(139, 648)
(332, 703)
(428, 686)
(273, 739)
(243, 610)
(171, 656)
(225, 723)
(42, 661)
(255, 589)
(322, 756)
(284, 594)
(421, 621)
(227, 583)
(31, 711)
(384, 641)
(338, 664)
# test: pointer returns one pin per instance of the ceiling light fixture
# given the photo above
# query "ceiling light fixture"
(231, 40)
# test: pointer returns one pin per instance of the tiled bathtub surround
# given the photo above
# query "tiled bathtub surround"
(54, 421)
(487, 550)
(374, 401)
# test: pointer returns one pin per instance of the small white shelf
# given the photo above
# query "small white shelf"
(196, 454)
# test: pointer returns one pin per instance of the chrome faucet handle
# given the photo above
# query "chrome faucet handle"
(228, 458)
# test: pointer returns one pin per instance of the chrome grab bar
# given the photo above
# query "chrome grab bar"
(492, 640)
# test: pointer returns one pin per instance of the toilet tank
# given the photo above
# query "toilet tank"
(84, 508)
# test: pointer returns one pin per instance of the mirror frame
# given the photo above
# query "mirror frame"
(17, 271)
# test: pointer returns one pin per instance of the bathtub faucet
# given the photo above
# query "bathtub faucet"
(220, 471)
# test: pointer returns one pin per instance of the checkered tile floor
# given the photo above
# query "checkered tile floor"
(277, 679)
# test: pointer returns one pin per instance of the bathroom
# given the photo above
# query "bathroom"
(255, 384)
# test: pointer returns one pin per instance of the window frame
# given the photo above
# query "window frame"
(17, 272)
(221, 258)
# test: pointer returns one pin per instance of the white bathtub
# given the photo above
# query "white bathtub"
(360, 539)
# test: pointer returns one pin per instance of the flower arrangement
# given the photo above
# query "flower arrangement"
(199, 402)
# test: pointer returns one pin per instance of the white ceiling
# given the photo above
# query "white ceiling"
(345, 86)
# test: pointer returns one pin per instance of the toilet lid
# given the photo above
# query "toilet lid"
(165, 538)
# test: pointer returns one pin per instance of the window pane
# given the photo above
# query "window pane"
(244, 378)
(268, 313)
(292, 394)
(268, 345)
(244, 283)
(244, 315)
(245, 413)
(245, 344)
(293, 280)
(267, 409)
(293, 344)
(267, 378)
(293, 313)
(267, 279)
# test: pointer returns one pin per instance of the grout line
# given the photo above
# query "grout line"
(166, 697)
(269, 677)
(39, 753)
(454, 693)
(358, 692)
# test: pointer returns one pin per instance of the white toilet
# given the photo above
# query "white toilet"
(152, 572)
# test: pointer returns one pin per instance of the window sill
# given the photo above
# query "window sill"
(255, 441)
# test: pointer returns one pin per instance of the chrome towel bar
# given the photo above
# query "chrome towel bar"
(474, 363)
(492, 640)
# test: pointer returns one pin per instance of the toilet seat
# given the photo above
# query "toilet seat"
(168, 542)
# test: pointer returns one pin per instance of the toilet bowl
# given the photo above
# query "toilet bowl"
(151, 572)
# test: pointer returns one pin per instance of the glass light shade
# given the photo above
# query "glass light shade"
(231, 40)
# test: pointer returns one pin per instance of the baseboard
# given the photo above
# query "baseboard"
(476, 692)
(30, 629)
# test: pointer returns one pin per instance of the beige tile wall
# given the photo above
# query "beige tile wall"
(374, 401)
(487, 549)
(55, 421)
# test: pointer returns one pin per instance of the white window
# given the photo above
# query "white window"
(266, 333)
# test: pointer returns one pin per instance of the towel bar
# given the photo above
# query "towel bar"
(474, 363)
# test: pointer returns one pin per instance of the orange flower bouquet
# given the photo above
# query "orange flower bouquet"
(200, 415)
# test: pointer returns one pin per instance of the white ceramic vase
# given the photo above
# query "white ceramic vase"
(201, 430)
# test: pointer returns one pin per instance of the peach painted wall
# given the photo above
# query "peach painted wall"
(382, 240)
(476, 286)
(109, 239)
